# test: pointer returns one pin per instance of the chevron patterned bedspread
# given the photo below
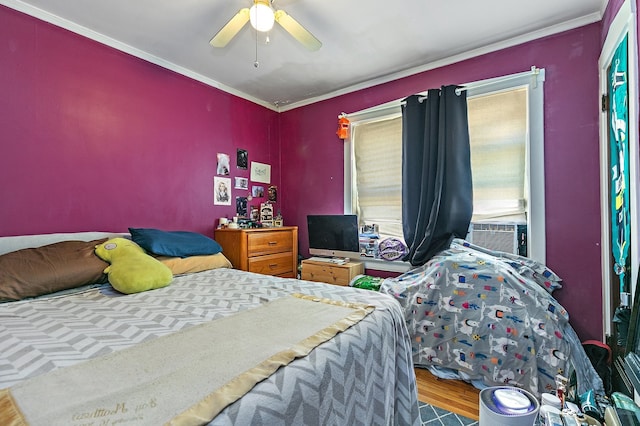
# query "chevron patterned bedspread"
(363, 376)
(490, 318)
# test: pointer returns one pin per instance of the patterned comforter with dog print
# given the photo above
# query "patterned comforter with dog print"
(490, 318)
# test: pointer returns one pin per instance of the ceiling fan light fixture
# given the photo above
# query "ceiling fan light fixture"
(261, 15)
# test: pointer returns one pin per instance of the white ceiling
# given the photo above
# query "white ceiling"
(365, 42)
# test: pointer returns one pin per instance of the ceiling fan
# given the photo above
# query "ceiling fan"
(262, 17)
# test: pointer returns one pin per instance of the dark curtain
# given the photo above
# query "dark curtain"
(437, 194)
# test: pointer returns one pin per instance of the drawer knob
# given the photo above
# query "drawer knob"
(273, 265)
(273, 243)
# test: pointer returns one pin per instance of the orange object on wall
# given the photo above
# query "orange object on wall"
(343, 126)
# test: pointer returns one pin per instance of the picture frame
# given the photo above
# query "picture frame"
(260, 172)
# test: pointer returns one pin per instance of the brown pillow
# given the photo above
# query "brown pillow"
(47, 269)
(191, 264)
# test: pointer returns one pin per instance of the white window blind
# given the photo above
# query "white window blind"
(378, 174)
(498, 136)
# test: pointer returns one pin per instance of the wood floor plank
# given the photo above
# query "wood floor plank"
(454, 395)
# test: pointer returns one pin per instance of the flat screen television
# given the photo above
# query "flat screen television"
(333, 235)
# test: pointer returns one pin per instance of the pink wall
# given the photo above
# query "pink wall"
(571, 154)
(95, 139)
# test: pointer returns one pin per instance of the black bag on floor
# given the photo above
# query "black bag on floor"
(600, 356)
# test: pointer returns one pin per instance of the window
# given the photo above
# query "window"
(507, 156)
(377, 186)
(498, 134)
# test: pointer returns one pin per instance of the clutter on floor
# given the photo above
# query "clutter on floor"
(558, 409)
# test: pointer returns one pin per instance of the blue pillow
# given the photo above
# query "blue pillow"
(174, 243)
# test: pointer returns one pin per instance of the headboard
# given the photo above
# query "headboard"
(9, 244)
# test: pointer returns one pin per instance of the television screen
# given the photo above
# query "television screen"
(333, 235)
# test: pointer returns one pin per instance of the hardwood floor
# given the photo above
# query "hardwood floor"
(453, 395)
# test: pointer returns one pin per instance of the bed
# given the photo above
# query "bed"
(490, 318)
(358, 373)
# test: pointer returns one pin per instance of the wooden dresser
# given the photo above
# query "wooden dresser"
(331, 273)
(269, 251)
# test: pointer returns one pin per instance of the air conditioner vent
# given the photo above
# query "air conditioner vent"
(505, 237)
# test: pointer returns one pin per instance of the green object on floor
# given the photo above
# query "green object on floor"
(366, 282)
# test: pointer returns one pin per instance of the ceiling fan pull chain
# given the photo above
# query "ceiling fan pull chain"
(256, 64)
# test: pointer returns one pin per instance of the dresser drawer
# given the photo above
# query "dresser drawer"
(272, 264)
(261, 243)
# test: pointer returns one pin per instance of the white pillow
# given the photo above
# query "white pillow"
(9, 244)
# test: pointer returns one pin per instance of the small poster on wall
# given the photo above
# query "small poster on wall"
(260, 172)
(223, 164)
(257, 191)
(273, 193)
(242, 183)
(266, 214)
(241, 206)
(221, 188)
(242, 158)
(255, 213)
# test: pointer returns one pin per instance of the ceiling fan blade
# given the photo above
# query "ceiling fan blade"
(297, 31)
(230, 29)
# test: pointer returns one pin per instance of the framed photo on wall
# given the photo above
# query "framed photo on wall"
(260, 172)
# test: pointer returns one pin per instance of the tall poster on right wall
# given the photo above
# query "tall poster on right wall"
(617, 78)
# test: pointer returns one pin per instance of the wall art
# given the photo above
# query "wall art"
(260, 172)
(242, 183)
(242, 158)
(223, 164)
(221, 191)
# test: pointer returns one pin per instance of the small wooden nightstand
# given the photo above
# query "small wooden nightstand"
(332, 273)
(269, 251)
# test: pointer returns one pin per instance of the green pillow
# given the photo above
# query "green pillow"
(131, 269)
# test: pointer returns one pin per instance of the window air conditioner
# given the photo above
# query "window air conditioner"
(505, 237)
